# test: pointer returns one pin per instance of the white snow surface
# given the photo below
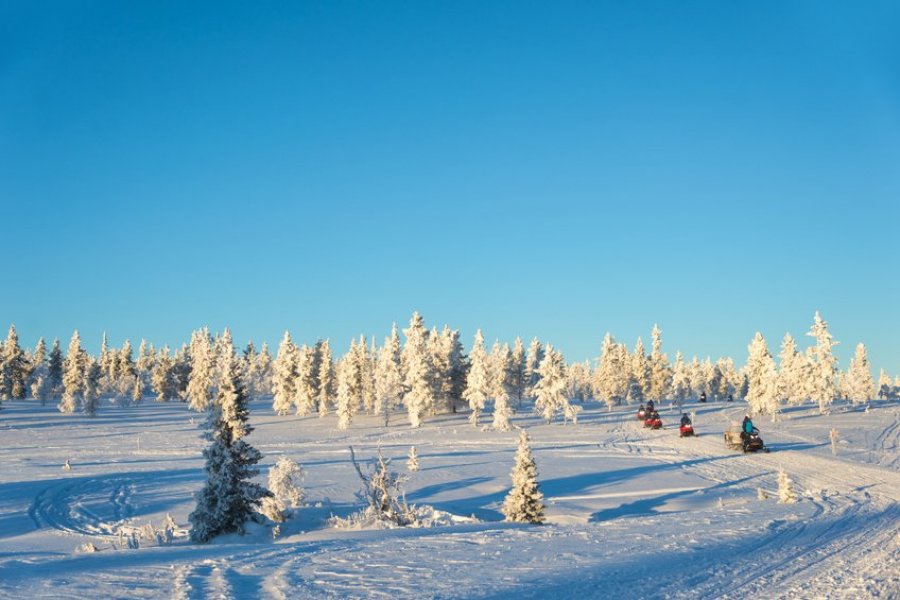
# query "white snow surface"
(631, 513)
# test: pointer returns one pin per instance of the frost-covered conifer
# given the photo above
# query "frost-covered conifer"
(229, 497)
(285, 479)
(146, 357)
(388, 385)
(825, 364)
(364, 369)
(325, 392)
(418, 396)
(885, 385)
(284, 375)
(578, 381)
(14, 368)
(162, 376)
(37, 380)
(532, 363)
(305, 389)
(612, 376)
(503, 384)
(518, 361)
(525, 502)
(786, 494)
(858, 381)
(478, 382)
(263, 371)
(55, 366)
(125, 373)
(440, 346)
(660, 371)
(92, 382)
(790, 374)
(550, 390)
(74, 370)
(200, 383)
(681, 385)
(349, 390)
(762, 390)
(639, 381)
(412, 460)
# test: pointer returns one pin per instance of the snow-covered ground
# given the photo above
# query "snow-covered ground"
(631, 512)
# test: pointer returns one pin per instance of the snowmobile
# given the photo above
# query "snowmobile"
(749, 443)
(642, 414)
(653, 421)
(686, 430)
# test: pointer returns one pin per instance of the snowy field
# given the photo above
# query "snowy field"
(632, 513)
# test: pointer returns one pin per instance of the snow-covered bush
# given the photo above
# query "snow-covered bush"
(285, 477)
(525, 502)
(412, 462)
(383, 496)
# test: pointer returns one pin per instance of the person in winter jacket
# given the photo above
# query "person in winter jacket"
(702, 396)
(685, 419)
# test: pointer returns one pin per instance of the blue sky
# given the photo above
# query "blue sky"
(537, 169)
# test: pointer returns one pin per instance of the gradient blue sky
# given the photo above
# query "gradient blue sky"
(555, 169)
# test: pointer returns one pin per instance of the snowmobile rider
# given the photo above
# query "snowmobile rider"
(685, 420)
(747, 428)
(702, 396)
(650, 406)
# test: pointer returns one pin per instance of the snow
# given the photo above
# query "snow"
(630, 512)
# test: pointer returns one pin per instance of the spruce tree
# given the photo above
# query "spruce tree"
(419, 377)
(200, 383)
(503, 380)
(348, 388)
(284, 375)
(550, 390)
(790, 374)
(37, 380)
(14, 368)
(525, 502)
(518, 360)
(92, 386)
(478, 382)
(55, 365)
(305, 386)
(532, 363)
(74, 371)
(229, 497)
(762, 390)
(825, 364)
(681, 385)
(660, 371)
(388, 385)
(326, 383)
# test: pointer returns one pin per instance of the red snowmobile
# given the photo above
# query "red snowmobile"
(686, 430)
(653, 421)
(642, 413)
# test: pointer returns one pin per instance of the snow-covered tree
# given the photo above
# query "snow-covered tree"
(825, 364)
(791, 372)
(412, 460)
(55, 367)
(502, 378)
(578, 381)
(263, 372)
(858, 382)
(74, 371)
(419, 379)
(388, 385)
(92, 379)
(885, 385)
(229, 497)
(478, 382)
(162, 376)
(349, 387)
(639, 380)
(200, 384)
(786, 494)
(284, 375)
(306, 389)
(285, 479)
(37, 380)
(532, 363)
(612, 375)
(762, 392)
(14, 368)
(550, 389)
(681, 383)
(525, 502)
(518, 361)
(326, 378)
(660, 371)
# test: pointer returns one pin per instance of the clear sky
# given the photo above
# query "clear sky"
(553, 169)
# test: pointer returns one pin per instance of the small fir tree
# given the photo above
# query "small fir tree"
(412, 461)
(525, 502)
(786, 493)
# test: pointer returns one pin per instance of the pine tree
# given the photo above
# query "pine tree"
(786, 493)
(859, 377)
(388, 385)
(518, 360)
(200, 383)
(532, 363)
(660, 371)
(325, 392)
(305, 386)
(14, 368)
(419, 378)
(74, 371)
(550, 390)
(284, 375)
(55, 371)
(825, 364)
(92, 386)
(37, 380)
(412, 461)
(478, 382)
(503, 385)
(228, 498)
(525, 502)
(790, 375)
(762, 391)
